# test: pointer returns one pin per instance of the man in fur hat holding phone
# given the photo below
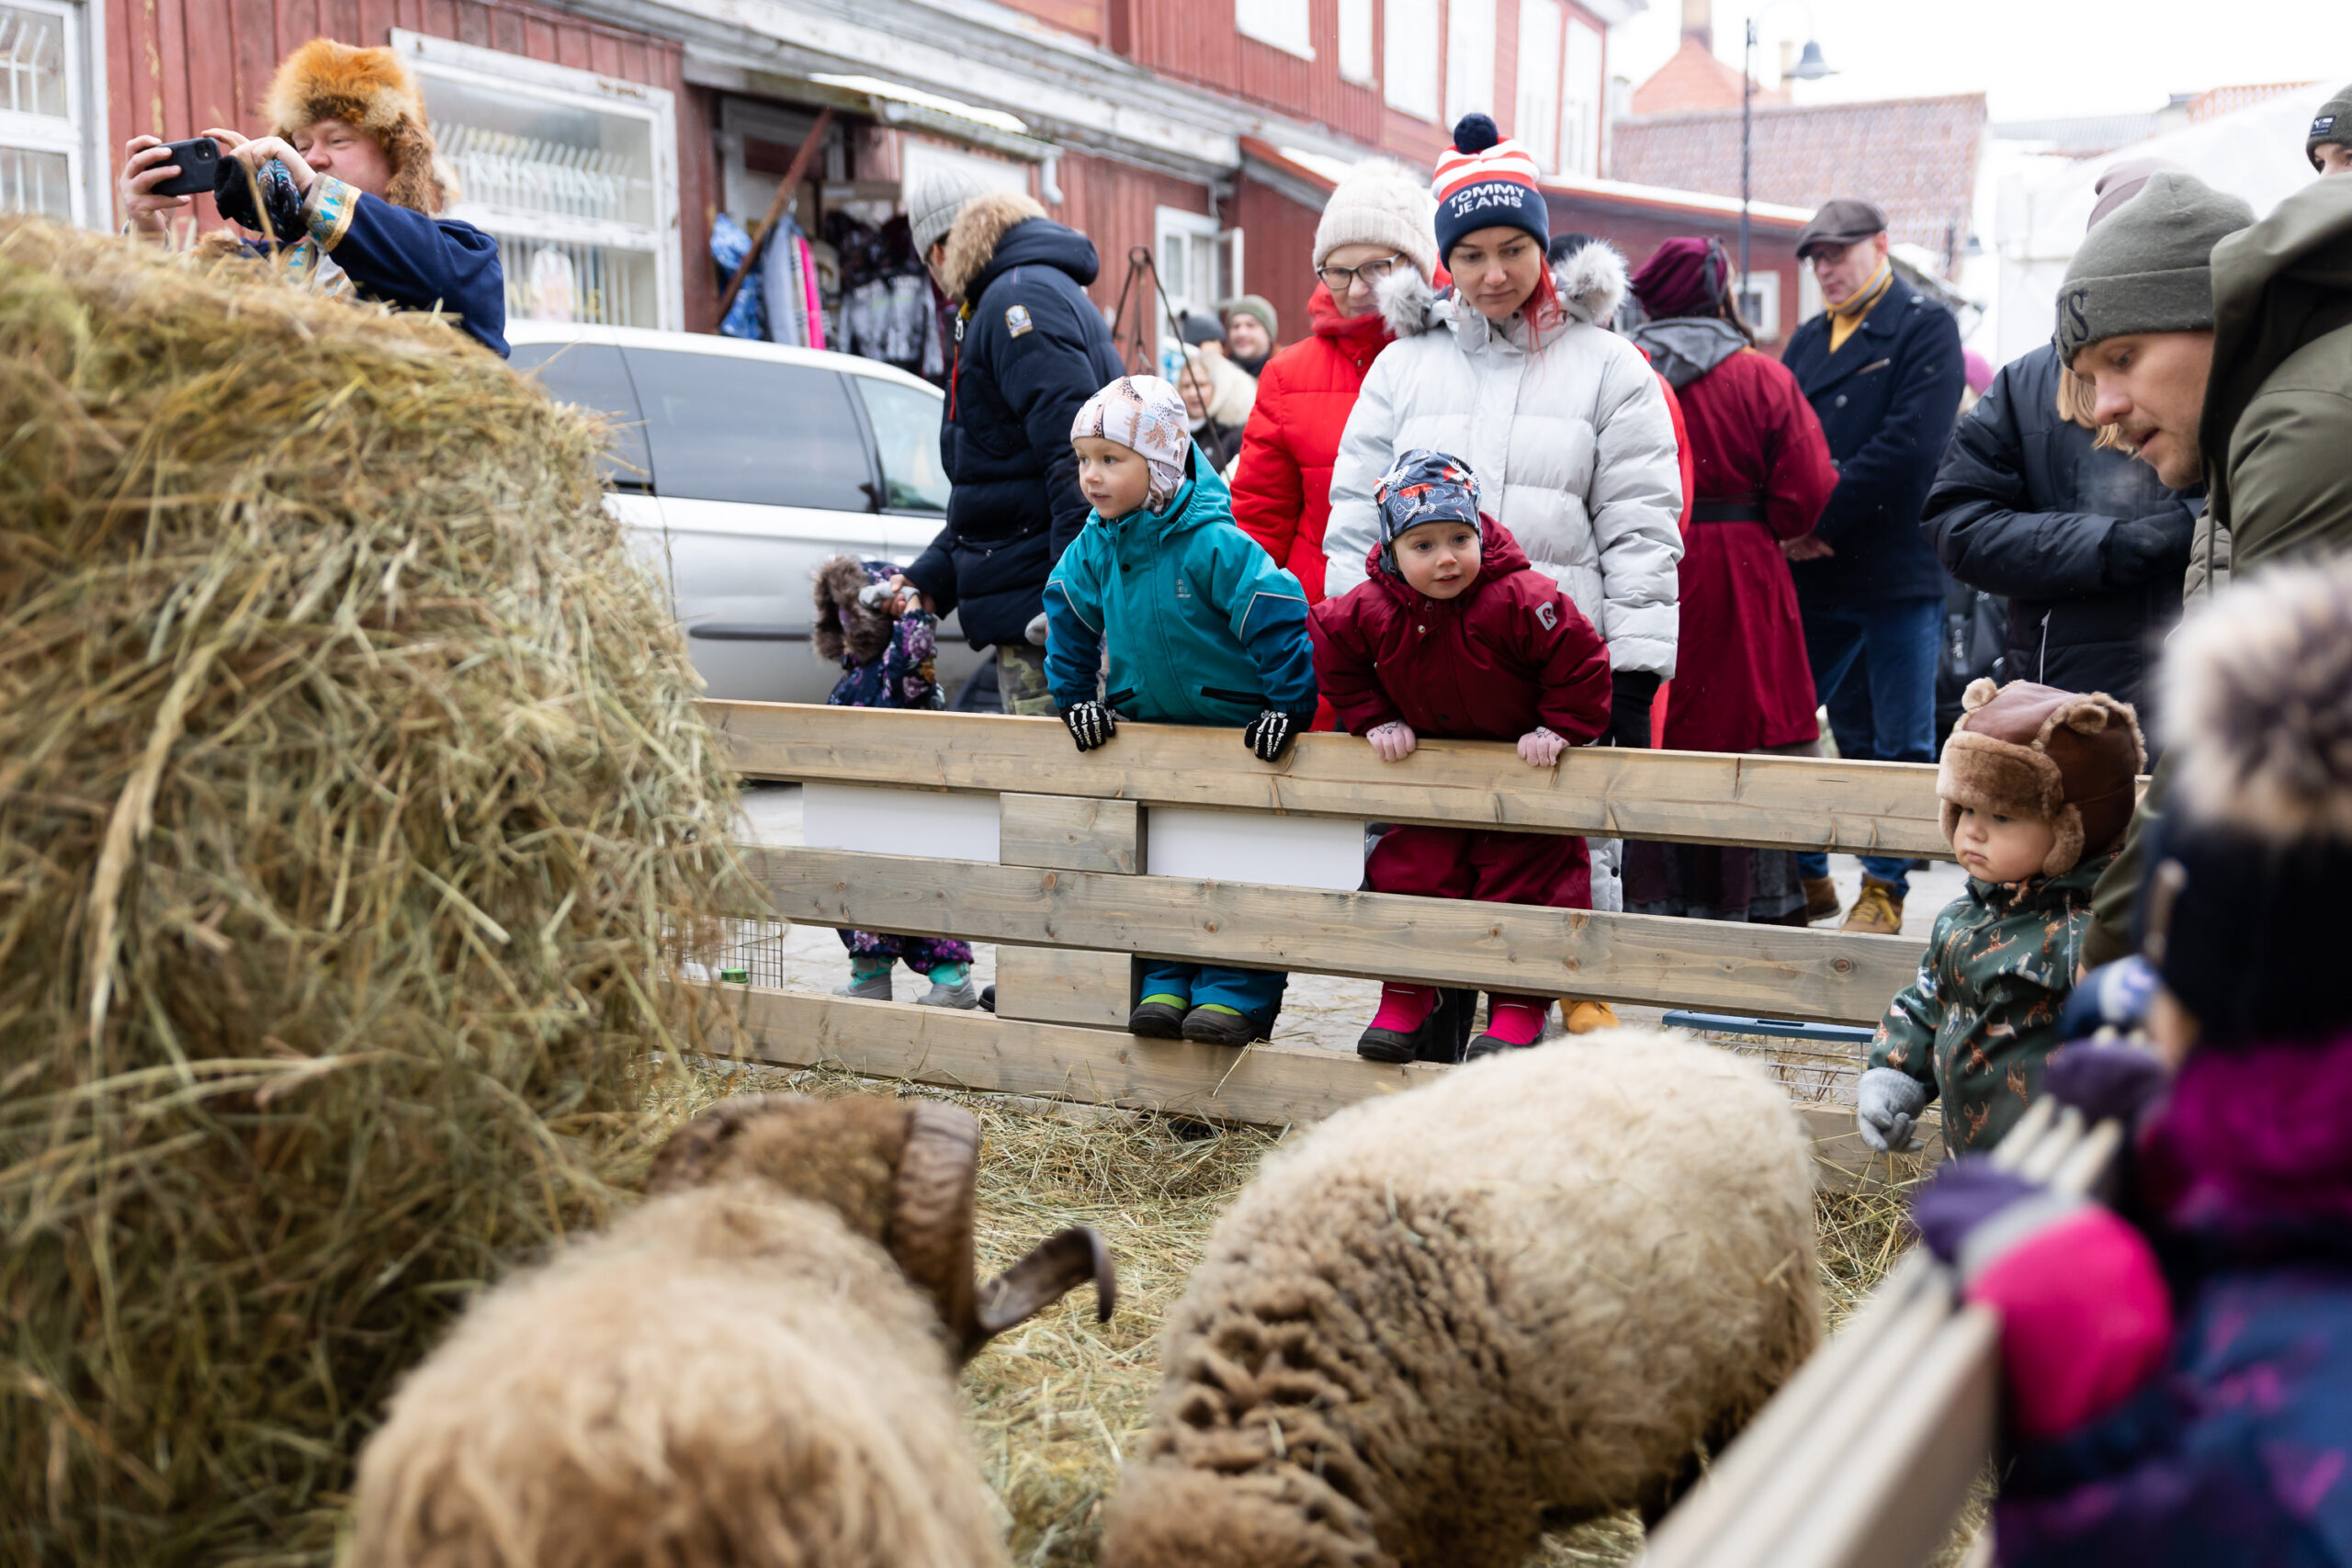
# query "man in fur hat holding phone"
(348, 188)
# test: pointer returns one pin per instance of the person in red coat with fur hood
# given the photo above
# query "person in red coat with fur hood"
(1379, 219)
(1741, 679)
(1454, 634)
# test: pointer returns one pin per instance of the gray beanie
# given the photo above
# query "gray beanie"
(2333, 123)
(934, 202)
(2149, 266)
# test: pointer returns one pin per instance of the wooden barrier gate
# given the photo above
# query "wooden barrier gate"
(1072, 894)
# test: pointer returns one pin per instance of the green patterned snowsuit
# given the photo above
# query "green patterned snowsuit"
(1982, 1016)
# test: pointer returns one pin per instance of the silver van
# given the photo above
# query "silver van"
(739, 467)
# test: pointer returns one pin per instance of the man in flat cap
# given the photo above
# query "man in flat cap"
(1882, 367)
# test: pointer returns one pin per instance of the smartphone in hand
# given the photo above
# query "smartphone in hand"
(198, 159)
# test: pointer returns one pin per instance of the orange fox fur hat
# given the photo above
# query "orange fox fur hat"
(369, 89)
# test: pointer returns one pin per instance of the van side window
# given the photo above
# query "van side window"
(749, 430)
(591, 375)
(906, 427)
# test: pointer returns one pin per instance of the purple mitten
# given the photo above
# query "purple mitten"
(2113, 996)
(1959, 1198)
(2105, 1081)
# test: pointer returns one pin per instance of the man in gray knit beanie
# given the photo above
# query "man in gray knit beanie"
(2329, 142)
(2252, 394)
(2136, 316)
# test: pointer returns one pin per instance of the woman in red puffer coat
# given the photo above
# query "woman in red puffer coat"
(1378, 218)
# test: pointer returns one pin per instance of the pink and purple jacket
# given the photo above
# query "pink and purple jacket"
(2181, 1390)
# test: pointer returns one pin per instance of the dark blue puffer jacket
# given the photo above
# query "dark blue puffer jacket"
(1033, 349)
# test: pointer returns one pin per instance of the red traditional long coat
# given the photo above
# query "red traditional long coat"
(1741, 679)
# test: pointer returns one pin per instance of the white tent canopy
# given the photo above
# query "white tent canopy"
(2256, 152)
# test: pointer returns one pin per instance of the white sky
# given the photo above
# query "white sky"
(2033, 58)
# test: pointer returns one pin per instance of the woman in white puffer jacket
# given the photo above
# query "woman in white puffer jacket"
(1572, 442)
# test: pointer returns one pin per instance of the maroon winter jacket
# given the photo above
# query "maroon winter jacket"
(1508, 653)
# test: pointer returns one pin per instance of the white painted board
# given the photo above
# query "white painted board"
(898, 821)
(1241, 846)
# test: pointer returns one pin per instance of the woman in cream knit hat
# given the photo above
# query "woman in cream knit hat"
(1379, 220)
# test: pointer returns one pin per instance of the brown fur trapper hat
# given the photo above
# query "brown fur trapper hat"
(2067, 758)
(843, 627)
(371, 89)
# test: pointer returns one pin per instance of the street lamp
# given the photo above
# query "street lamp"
(1809, 67)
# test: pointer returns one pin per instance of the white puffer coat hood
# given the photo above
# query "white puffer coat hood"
(1573, 447)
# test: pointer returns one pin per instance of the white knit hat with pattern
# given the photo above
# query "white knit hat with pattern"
(934, 202)
(1377, 203)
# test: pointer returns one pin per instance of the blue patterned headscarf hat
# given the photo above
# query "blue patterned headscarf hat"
(1145, 415)
(1421, 487)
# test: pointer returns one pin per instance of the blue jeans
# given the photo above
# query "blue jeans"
(1874, 666)
(1256, 993)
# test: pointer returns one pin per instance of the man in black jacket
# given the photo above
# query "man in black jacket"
(2086, 544)
(1031, 348)
(1881, 367)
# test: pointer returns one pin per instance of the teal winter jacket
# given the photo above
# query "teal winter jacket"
(1204, 627)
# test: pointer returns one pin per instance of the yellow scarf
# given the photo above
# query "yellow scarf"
(1844, 318)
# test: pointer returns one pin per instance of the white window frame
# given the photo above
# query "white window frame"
(1584, 89)
(79, 135)
(1287, 25)
(435, 59)
(1358, 53)
(1809, 302)
(1469, 57)
(1175, 221)
(1759, 302)
(1410, 80)
(1535, 116)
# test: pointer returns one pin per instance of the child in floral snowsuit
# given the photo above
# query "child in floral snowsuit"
(885, 646)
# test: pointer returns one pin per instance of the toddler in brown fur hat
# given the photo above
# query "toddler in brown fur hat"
(2037, 786)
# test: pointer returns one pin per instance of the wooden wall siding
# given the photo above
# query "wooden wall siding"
(1278, 256)
(1085, 18)
(176, 67)
(1112, 204)
(1637, 234)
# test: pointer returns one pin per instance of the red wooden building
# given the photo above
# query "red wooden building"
(600, 138)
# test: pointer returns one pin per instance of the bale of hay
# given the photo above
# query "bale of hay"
(352, 810)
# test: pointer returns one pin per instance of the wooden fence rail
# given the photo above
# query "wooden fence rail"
(1700, 797)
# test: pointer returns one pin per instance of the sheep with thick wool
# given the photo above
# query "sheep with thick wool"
(754, 1368)
(1529, 1294)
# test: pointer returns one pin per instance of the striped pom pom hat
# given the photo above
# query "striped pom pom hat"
(1486, 181)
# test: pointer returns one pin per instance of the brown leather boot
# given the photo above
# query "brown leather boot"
(1879, 910)
(1820, 899)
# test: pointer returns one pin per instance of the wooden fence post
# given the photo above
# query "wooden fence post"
(1063, 833)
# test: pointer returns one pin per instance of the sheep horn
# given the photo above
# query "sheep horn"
(692, 1154)
(1053, 1269)
(931, 1209)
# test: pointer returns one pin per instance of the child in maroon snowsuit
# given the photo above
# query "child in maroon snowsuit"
(1454, 635)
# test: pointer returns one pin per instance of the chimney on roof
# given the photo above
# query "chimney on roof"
(1698, 22)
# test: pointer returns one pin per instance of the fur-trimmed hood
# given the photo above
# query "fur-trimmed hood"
(979, 226)
(844, 628)
(371, 90)
(1591, 284)
(2068, 759)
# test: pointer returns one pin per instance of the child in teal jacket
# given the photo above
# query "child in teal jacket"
(1203, 628)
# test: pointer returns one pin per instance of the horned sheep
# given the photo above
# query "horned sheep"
(756, 1367)
(1531, 1293)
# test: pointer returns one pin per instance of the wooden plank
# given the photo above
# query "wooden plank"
(1065, 984)
(1267, 1085)
(1070, 833)
(1680, 797)
(1769, 971)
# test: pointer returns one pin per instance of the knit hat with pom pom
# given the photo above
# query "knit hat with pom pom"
(2241, 906)
(2065, 757)
(1486, 181)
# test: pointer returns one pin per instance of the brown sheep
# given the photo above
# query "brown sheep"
(755, 1367)
(1525, 1295)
